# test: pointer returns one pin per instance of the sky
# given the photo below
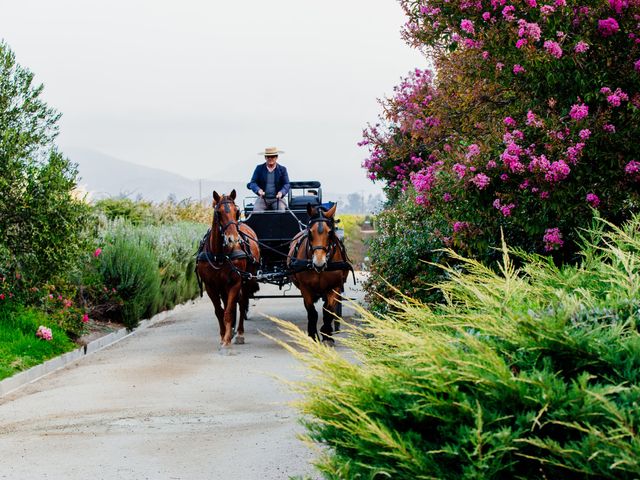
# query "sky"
(200, 87)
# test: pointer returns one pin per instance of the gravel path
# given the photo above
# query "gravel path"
(164, 404)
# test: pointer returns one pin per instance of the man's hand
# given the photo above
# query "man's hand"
(261, 193)
(279, 195)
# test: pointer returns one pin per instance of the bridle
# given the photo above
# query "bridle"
(321, 220)
(223, 228)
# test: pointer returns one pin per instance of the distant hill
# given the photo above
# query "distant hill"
(104, 176)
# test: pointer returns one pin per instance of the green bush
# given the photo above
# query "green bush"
(526, 373)
(169, 248)
(406, 241)
(129, 267)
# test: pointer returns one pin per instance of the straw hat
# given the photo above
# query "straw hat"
(269, 151)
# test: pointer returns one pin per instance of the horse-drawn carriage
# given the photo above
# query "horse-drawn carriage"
(276, 229)
(300, 245)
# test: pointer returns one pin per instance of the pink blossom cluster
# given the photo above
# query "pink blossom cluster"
(579, 111)
(553, 48)
(552, 239)
(505, 209)
(632, 169)
(608, 26)
(44, 333)
(593, 200)
(481, 181)
(616, 98)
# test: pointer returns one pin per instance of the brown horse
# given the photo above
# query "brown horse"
(322, 267)
(228, 256)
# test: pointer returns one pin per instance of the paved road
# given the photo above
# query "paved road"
(164, 404)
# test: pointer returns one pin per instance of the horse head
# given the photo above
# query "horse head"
(225, 218)
(320, 236)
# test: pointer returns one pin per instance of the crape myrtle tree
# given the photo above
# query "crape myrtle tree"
(41, 223)
(530, 125)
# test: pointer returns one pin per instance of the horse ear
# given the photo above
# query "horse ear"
(232, 195)
(216, 197)
(311, 210)
(331, 212)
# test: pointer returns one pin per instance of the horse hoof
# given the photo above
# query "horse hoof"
(329, 342)
(239, 340)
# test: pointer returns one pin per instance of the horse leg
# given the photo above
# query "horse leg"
(328, 317)
(312, 314)
(243, 305)
(217, 307)
(230, 313)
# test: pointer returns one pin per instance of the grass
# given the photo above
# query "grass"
(20, 349)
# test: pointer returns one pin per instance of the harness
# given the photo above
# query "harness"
(299, 265)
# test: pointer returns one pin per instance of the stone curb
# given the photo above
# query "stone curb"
(34, 374)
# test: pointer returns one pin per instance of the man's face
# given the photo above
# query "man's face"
(271, 160)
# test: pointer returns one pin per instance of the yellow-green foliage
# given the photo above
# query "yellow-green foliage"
(356, 242)
(523, 373)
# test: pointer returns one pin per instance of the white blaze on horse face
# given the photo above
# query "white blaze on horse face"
(319, 259)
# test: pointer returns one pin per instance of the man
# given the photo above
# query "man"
(270, 182)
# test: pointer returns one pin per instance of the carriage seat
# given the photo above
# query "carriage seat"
(300, 202)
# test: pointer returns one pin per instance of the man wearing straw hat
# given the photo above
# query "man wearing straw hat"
(270, 182)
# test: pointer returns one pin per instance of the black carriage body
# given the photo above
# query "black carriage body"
(275, 230)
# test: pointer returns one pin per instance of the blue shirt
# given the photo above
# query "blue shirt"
(259, 179)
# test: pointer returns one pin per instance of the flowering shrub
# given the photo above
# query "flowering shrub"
(531, 125)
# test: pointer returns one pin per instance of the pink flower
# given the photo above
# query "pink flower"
(618, 5)
(499, 66)
(553, 48)
(632, 168)
(485, 55)
(467, 26)
(459, 170)
(491, 164)
(481, 181)
(584, 134)
(579, 111)
(459, 226)
(593, 200)
(636, 65)
(486, 16)
(552, 239)
(518, 69)
(547, 10)
(44, 333)
(447, 197)
(472, 151)
(97, 253)
(521, 43)
(506, 209)
(85, 318)
(581, 47)
(608, 27)
(509, 122)
(2, 296)
(496, 204)
(558, 171)
(507, 13)
(421, 200)
(609, 128)
(504, 177)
